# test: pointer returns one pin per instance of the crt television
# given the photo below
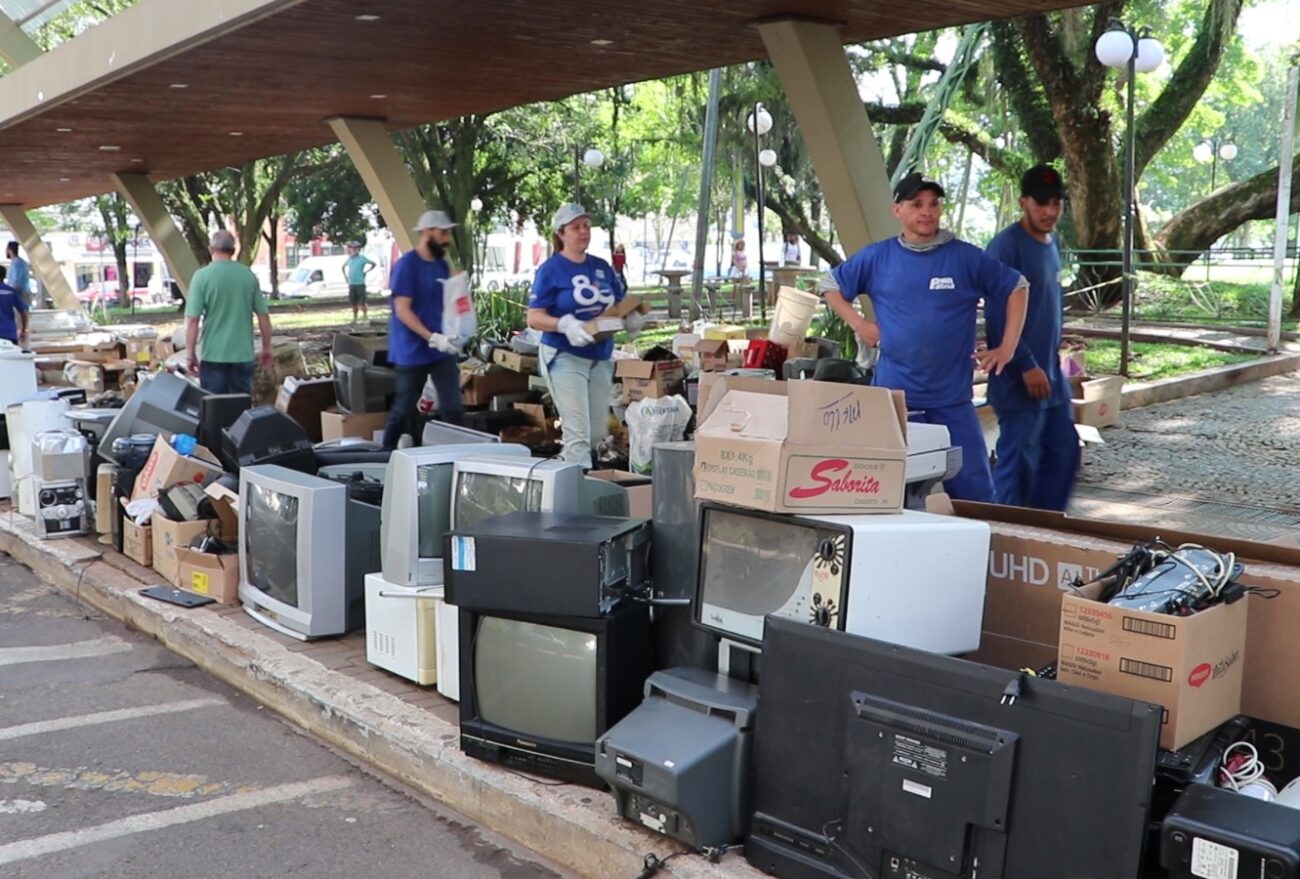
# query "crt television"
(491, 486)
(360, 387)
(911, 578)
(872, 759)
(165, 404)
(417, 507)
(537, 691)
(304, 550)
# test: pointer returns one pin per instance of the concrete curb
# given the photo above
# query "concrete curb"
(574, 827)
(1216, 379)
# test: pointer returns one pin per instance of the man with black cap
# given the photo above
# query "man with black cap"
(925, 286)
(417, 347)
(1038, 449)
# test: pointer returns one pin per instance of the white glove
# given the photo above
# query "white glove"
(443, 343)
(574, 331)
(633, 321)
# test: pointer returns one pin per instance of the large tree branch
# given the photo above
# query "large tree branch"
(1026, 98)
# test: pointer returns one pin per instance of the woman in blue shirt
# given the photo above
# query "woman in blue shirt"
(571, 288)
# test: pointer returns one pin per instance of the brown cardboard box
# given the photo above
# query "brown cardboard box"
(98, 376)
(1099, 406)
(216, 576)
(137, 542)
(1190, 665)
(335, 424)
(304, 400)
(169, 536)
(650, 378)
(713, 355)
(640, 490)
(512, 360)
(167, 467)
(538, 418)
(806, 447)
(478, 389)
(142, 351)
(104, 476)
(610, 321)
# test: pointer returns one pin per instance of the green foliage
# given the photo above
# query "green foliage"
(829, 325)
(500, 314)
(329, 199)
(1150, 362)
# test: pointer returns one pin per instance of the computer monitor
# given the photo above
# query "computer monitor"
(304, 550)
(872, 759)
(217, 413)
(164, 404)
(486, 486)
(372, 348)
(417, 507)
(360, 387)
(537, 691)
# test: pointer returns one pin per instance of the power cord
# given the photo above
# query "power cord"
(652, 863)
(1243, 772)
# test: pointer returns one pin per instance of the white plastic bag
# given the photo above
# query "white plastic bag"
(654, 420)
(459, 322)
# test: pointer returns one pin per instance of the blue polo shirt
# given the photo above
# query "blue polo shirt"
(1040, 342)
(925, 303)
(19, 276)
(419, 280)
(11, 302)
(583, 289)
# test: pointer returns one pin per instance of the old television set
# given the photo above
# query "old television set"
(304, 550)
(165, 404)
(488, 486)
(417, 507)
(537, 691)
(872, 759)
(911, 578)
(361, 387)
(369, 347)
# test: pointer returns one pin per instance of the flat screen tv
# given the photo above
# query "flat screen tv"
(164, 404)
(487, 486)
(537, 691)
(304, 549)
(417, 507)
(360, 387)
(872, 759)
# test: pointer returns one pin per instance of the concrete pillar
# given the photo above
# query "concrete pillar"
(39, 255)
(810, 61)
(385, 174)
(149, 209)
(15, 46)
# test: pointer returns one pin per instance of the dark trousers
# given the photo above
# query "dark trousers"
(975, 481)
(226, 378)
(402, 416)
(1038, 457)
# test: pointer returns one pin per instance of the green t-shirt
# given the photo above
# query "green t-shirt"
(226, 295)
(356, 269)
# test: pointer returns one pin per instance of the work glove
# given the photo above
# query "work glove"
(633, 322)
(574, 331)
(443, 343)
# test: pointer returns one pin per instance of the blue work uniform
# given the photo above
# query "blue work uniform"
(11, 303)
(925, 302)
(1038, 448)
(582, 289)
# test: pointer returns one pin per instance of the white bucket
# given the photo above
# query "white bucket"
(792, 316)
(17, 374)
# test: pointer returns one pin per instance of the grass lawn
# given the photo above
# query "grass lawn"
(1151, 361)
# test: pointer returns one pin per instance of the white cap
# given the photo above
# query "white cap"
(434, 220)
(566, 215)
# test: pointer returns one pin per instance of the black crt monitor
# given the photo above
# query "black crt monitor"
(165, 404)
(218, 412)
(360, 387)
(265, 435)
(874, 760)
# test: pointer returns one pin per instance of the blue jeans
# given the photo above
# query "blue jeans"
(580, 390)
(226, 378)
(403, 418)
(1038, 457)
(974, 482)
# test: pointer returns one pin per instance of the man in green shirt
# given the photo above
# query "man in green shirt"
(354, 272)
(226, 295)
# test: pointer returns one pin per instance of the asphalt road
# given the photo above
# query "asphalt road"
(119, 758)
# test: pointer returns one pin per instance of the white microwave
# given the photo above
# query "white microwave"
(910, 578)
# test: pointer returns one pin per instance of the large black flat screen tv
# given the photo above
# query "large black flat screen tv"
(874, 761)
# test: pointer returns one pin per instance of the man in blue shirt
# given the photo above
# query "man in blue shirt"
(19, 275)
(1038, 448)
(13, 313)
(417, 347)
(926, 286)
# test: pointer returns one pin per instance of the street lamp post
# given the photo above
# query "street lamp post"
(1211, 151)
(760, 123)
(479, 248)
(592, 158)
(1122, 47)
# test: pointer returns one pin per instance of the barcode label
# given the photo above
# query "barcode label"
(1150, 627)
(1138, 668)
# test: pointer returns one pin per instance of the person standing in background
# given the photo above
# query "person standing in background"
(19, 273)
(13, 313)
(355, 269)
(739, 260)
(1038, 447)
(791, 255)
(620, 265)
(225, 294)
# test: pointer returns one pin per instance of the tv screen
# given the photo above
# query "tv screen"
(481, 495)
(433, 507)
(536, 680)
(271, 538)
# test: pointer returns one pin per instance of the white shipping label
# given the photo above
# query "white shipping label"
(920, 790)
(1213, 861)
(463, 555)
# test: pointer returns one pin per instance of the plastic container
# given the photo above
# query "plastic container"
(792, 316)
(17, 374)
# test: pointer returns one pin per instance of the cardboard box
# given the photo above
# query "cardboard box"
(335, 424)
(713, 355)
(537, 418)
(142, 351)
(104, 476)
(683, 346)
(304, 400)
(216, 576)
(610, 321)
(169, 536)
(137, 542)
(650, 378)
(98, 376)
(525, 363)
(167, 467)
(726, 331)
(1099, 406)
(478, 389)
(640, 490)
(804, 447)
(1191, 665)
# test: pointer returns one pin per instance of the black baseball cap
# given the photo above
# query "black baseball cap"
(913, 183)
(1042, 183)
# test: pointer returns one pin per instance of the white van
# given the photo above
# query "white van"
(320, 277)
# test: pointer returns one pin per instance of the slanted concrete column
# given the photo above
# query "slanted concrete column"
(809, 58)
(15, 46)
(148, 205)
(381, 167)
(39, 255)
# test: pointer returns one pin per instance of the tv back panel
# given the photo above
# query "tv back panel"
(165, 404)
(217, 413)
(265, 435)
(370, 348)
